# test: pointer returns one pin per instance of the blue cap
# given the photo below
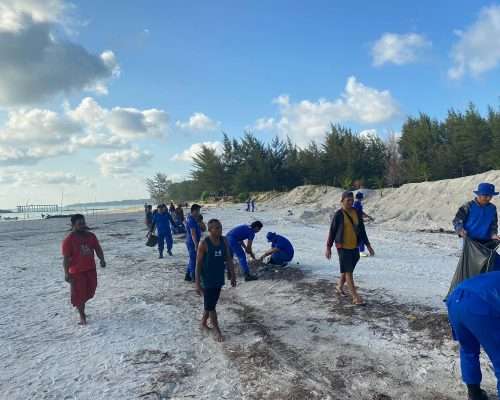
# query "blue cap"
(270, 236)
(486, 189)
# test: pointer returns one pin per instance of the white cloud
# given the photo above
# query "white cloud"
(36, 64)
(308, 120)
(123, 161)
(198, 122)
(27, 178)
(30, 135)
(12, 12)
(188, 154)
(368, 133)
(399, 49)
(264, 124)
(478, 47)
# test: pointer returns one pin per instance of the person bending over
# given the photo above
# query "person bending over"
(236, 238)
(281, 250)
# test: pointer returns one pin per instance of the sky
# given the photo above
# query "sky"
(97, 96)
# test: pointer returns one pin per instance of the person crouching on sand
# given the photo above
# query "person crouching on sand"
(79, 264)
(212, 257)
(347, 231)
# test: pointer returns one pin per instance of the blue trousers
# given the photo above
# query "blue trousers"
(192, 259)
(474, 324)
(280, 258)
(165, 237)
(237, 250)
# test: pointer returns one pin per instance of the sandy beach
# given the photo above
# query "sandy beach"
(288, 335)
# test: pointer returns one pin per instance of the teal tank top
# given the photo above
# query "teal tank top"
(214, 265)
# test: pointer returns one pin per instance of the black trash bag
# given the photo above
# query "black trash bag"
(152, 240)
(476, 259)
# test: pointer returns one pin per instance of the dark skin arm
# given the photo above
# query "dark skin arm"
(193, 236)
(100, 255)
(248, 248)
(268, 253)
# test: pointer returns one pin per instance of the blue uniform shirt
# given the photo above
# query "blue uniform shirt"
(283, 244)
(486, 286)
(358, 205)
(240, 233)
(479, 220)
(162, 222)
(191, 223)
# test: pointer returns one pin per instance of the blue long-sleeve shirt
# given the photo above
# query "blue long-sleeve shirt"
(480, 222)
(241, 233)
(283, 244)
(486, 286)
(162, 222)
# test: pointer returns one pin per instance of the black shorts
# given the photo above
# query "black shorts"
(210, 298)
(348, 259)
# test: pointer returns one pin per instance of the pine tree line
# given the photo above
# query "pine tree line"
(464, 143)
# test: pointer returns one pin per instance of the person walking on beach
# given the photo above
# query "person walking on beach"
(281, 250)
(474, 314)
(358, 205)
(78, 250)
(248, 205)
(478, 218)
(347, 231)
(253, 205)
(212, 257)
(236, 238)
(193, 237)
(162, 221)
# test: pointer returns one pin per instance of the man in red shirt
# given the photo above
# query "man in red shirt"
(79, 264)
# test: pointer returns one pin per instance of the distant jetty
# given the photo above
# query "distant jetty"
(33, 208)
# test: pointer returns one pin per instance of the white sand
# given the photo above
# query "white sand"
(286, 339)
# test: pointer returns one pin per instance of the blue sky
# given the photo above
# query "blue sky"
(125, 88)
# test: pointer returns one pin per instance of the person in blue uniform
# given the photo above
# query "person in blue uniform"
(236, 238)
(193, 236)
(474, 314)
(281, 250)
(162, 221)
(212, 257)
(478, 218)
(358, 205)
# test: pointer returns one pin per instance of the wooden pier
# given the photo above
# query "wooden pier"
(33, 208)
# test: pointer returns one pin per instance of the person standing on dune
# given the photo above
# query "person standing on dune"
(79, 264)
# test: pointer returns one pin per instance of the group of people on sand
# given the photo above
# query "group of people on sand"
(473, 306)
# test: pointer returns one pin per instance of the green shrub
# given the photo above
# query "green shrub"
(204, 196)
(243, 197)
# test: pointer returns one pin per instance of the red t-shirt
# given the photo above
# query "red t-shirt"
(80, 249)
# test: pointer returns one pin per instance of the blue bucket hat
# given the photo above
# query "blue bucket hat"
(486, 189)
(270, 236)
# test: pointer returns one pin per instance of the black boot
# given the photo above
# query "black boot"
(187, 278)
(476, 393)
(249, 277)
